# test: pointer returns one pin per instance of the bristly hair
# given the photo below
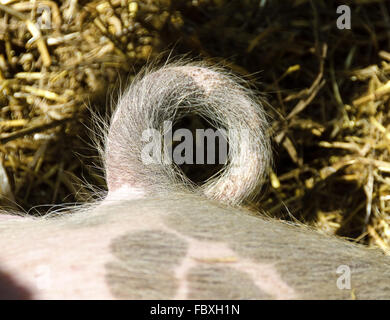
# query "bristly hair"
(176, 89)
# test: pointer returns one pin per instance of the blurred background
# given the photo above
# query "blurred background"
(324, 72)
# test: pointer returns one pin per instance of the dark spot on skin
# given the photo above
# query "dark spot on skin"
(213, 282)
(10, 289)
(306, 260)
(144, 265)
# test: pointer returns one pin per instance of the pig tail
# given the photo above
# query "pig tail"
(170, 92)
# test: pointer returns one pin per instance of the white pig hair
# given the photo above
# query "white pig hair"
(169, 93)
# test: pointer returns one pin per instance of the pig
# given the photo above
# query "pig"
(158, 235)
